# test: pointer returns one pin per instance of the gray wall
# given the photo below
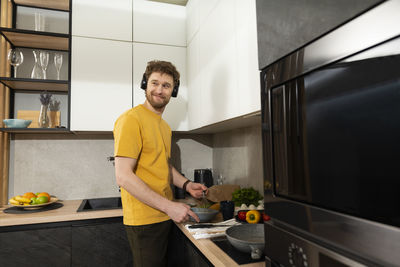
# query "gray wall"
(68, 166)
(237, 157)
(76, 167)
(285, 25)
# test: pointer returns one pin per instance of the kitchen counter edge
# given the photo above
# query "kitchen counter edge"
(68, 213)
(65, 213)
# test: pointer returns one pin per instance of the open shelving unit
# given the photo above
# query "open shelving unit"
(35, 39)
(30, 39)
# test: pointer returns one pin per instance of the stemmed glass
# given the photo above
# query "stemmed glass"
(44, 61)
(58, 60)
(15, 57)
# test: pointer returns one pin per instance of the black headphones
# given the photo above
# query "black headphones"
(143, 85)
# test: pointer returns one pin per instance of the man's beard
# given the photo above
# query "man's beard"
(156, 105)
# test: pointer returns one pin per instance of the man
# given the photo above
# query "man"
(142, 153)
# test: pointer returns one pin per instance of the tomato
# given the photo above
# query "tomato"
(242, 215)
(266, 217)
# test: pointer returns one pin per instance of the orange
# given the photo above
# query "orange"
(29, 195)
(44, 194)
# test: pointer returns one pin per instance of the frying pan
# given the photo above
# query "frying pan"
(248, 238)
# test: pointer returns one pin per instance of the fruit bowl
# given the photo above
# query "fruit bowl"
(17, 123)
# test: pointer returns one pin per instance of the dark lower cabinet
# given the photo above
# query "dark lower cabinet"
(98, 242)
(182, 252)
(100, 245)
(41, 247)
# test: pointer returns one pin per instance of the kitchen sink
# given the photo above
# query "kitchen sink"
(106, 203)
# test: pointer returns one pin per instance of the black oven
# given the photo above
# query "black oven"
(331, 147)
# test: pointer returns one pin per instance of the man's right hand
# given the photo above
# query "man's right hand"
(180, 212)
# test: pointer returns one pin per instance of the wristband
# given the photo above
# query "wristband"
(185, 184)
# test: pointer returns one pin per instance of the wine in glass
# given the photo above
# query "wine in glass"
(15, 57)
(58, 60)
(44, 62)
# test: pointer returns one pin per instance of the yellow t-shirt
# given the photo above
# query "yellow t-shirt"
(143, 135)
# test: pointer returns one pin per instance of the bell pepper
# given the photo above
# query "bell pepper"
(242, 215)
(253, 216)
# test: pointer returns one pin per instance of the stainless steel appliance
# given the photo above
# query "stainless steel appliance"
(331, 148)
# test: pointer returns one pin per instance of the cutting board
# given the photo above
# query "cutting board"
(217, 193)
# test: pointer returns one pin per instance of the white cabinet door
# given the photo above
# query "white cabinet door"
(195, 103)
(175, 114)
(102, 19)
(101, 83)
(248, 82)
(217, 64)
(197, 12)
(159, 23)
(192, 20)
(222, 62)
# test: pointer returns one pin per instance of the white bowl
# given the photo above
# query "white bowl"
(17, 123)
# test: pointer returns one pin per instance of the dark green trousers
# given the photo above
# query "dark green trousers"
(149, 243)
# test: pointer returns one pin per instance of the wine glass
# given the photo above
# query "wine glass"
(58, 60)
(15, 57)
(44, 61)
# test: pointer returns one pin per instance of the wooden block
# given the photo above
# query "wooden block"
(33, 115)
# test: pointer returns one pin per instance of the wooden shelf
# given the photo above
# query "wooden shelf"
(52, 4)
(35, 85)
(34, 39)
(35, 130)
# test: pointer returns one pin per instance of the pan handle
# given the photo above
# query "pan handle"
(256, 253)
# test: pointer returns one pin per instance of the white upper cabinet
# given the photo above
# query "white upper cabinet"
(101, 83)
(197, 12)
(248, 82)
(195, 103)
(102, 19)
(175, 113)
(159, 23)
(217, 64)
(222, 61)
(192, 19)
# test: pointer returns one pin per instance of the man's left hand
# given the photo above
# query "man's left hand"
(196, 189)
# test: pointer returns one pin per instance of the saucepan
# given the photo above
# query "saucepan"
(248, 238)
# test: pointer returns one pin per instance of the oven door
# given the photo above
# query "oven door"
(335, 135)
(331, 139)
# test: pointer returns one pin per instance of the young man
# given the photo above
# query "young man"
(142, 153)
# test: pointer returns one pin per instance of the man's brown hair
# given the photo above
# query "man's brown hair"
(162, 67)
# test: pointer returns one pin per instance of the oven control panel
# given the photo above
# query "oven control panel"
(286, 249)
(297, 256)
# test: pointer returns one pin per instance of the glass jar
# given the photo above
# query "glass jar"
(43, 117)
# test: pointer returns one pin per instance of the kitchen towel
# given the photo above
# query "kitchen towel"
(202, 233)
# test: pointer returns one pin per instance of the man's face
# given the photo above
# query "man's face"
(159, 89)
